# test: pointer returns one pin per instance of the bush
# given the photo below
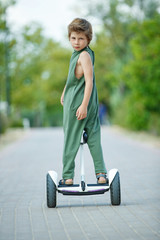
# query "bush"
(55, 119)
(16, 123)
(139, 108)
(154, 124)
(3, 122)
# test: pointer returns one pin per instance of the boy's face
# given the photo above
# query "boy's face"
(78, 40)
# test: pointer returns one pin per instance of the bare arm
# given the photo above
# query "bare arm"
(62, 96)
(87, 67)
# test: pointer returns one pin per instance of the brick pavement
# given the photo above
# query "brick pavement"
(23, 211)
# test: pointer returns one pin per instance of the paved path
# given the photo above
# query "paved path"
(23, 211)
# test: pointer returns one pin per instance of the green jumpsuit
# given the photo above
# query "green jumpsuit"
(73, 128)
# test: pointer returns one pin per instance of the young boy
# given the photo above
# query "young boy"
(80, 103)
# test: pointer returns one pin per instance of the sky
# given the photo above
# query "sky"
(53, 15)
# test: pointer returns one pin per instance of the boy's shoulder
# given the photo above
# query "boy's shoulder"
(84, 55)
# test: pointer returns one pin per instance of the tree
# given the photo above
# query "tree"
(6, 47)
(38, 78)
(142, 77)
(130, 78)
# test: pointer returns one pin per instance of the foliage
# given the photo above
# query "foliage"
(142, 77)
(38, 79)
(103, 67)
(130, 73)
(3, 122)
(6, 45)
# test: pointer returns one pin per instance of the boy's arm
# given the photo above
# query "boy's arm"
(62, 96)
(87, 67)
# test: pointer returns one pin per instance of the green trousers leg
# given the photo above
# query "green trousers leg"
(94, 144)
(72, 137)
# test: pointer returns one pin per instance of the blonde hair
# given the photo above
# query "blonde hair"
(80, 25)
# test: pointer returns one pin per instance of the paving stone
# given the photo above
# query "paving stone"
(23, 211)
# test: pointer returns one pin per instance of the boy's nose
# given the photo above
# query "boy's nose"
(76, 41)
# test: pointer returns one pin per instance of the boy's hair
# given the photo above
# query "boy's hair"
(80, 25)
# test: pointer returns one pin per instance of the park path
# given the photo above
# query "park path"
(23, 211)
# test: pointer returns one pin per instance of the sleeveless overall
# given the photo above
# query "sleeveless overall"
(73, 128)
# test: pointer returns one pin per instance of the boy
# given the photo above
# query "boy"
(80, 103)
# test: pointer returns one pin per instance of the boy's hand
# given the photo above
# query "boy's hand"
(81, 112)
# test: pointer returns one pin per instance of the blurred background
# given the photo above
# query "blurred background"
(35, 54)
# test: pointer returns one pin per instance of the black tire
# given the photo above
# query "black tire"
(51, 192)
(115, 190)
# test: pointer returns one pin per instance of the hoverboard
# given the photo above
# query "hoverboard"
(112, 184)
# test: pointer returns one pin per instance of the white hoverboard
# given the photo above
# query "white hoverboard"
(113, 184)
